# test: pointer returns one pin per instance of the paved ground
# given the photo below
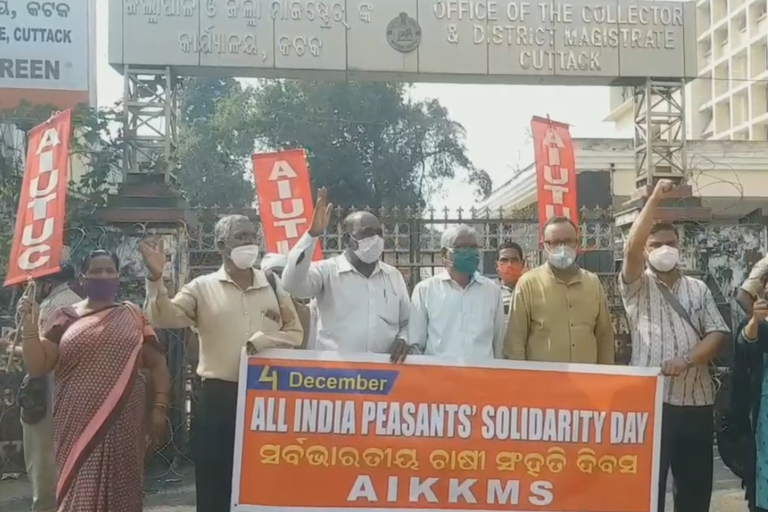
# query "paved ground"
(175, 492)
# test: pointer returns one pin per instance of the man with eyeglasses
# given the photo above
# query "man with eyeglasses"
(560, 311)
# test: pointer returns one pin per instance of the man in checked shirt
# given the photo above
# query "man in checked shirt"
(38, 437)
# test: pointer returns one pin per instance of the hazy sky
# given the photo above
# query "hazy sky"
(495, 117)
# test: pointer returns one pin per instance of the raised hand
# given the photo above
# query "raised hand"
(322, 215)
(760, 310)
(29, 311)
(663, 189)
(154, 258)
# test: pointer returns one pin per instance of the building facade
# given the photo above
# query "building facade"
(729, 176)
(729, 100)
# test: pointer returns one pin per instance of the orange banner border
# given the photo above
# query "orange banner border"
(326, 360)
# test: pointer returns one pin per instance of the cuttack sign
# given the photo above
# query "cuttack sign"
(555, 171)
(285, 198)
(39, 235)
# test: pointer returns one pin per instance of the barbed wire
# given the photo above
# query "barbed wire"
(412, 244)
(412, 237)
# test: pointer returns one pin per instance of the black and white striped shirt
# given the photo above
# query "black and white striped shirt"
(659, 333)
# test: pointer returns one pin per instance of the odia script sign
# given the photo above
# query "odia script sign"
(568, 42)
(359, 433)
(38, 238)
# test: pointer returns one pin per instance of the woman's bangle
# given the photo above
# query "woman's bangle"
(162, 406)
(30, 335)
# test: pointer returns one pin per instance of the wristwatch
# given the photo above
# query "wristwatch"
(688, 360)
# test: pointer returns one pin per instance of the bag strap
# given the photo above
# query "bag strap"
(675, 304)
(272, 282)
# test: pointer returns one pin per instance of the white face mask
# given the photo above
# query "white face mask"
(562, 257)
(369, 249)
(664, 258)
(244, 256)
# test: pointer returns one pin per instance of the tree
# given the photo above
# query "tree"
(367, 142)
(95, 141)
(216, 140)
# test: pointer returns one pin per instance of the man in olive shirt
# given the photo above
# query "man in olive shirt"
(560, 311)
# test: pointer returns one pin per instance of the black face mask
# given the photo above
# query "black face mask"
(43, 292)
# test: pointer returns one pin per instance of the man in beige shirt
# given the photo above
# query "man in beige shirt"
(560, 311)
(229, 308)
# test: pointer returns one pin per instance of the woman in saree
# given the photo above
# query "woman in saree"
(742, 431)
(105, 358)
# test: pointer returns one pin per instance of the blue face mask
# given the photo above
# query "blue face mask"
(465, 260)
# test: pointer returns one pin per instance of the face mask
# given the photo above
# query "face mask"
(43, 292)
(369, 249)
(465, 261)
(244, 256)
(101, 289)
(664, 258)
(562, 257)
(510, 272)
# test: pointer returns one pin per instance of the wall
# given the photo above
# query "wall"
(725, 253)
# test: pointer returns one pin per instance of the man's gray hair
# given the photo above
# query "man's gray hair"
(228, 226)
(451, 234)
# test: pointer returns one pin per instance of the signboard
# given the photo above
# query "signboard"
(47, 52)
(590, 42)
(359, 433)
(38, 240)
(285, 199)
(555, 171)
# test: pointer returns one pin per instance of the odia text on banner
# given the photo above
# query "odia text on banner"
(364, 433)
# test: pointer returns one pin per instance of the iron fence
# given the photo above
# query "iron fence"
(412, 244)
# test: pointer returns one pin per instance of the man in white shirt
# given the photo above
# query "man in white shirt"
(231, 307)
(458, 313)
(274, 263)
(362, 302)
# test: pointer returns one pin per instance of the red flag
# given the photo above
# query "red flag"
(39, 235)
(285, 199)
(555, 171)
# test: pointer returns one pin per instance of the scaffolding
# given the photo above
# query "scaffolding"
(660, 132)
(150, 125)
